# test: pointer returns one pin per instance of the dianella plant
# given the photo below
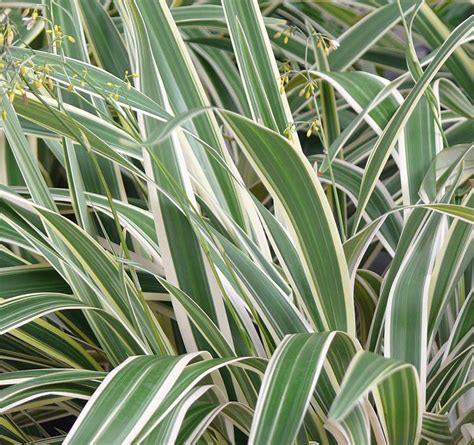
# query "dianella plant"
(236, 221)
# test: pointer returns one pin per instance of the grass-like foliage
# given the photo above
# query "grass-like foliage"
(236, 221)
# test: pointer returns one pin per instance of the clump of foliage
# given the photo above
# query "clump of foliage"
(236, 222)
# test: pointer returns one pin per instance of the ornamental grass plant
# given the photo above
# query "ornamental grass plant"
(236, 221)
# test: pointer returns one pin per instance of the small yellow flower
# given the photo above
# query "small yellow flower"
(307, 90)
(284, 79)
(288, 131)
(9, 36)
(314, 126)
(286, 34)
(325, 43)
(4, 115)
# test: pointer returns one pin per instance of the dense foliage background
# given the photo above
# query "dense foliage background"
(236, 222)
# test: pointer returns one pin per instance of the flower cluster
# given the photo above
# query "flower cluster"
(7, 33)
(18, 77)
(114, 94)
(286, 34)
(58, 36)
(289, 130)
(127, 78)
(325, 43)
(314, 127)
(23, 75)
(308, 90)
(285, 69)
